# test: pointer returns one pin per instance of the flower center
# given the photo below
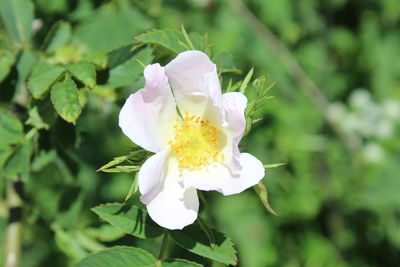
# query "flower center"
(195, 143)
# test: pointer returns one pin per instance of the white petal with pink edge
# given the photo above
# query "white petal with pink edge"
(148, 115)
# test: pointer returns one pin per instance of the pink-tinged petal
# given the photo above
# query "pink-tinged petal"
(194, 81)
(234, 106)
(168, 202)
(151, 174)
(219, 178)
(148, 115)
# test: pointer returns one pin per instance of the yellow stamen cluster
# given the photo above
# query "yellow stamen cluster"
(195, 143)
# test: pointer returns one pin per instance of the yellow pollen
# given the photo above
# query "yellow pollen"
(195, 143)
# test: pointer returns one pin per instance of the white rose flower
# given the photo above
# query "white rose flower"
(197, 150)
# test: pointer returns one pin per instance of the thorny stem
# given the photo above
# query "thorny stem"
(163, 249)
(298, 74)
(14, 228)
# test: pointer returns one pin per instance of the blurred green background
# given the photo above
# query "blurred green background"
(334, 120)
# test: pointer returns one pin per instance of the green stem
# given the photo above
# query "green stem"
(163, 249)
(14, 228)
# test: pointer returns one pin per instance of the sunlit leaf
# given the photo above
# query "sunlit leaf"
(59, 35)
(84, 72)
(7, 59)
(194, 239)
(42, 77)
(119, 257)
(132, 220)
(65, 98)
(180, 263)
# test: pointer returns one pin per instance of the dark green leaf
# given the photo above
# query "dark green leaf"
(126, 73)
(84, 72)
(17, 16)
(194, 239)
(42, 77)
(121, 54)
(65, 98)
(119, 257)
(132, 220)
(18, 163)
(225, 63)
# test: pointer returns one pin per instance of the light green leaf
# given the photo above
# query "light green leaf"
(113, 162)
(246, 81)
(58, 36)
(11, 129)
(17, 16)
(262, 192)
(84, 72)
(274, 165)
(134, 187)
(7, 59)
(119, 257)
(65, 98)
(97, 58)
(195, 240)
(126, 169)
(42, 77)
(35, 120)
(180, 263)
(24, 67)
(131, 219)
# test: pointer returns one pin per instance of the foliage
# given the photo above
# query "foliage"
(66, 68)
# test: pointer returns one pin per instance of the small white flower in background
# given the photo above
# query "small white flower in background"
(197, 150)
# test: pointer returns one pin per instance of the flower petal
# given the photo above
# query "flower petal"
(148, 115)
(219, 178)
(169, 204)
(234, 106)
(194, 81)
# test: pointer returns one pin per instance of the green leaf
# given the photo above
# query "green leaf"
(274, 165)
(11, 129)
(172, 40)
(84, 72)
(58, 36)
(131, 219)
(5, 153)
(131, 70)
(194, 239)
(24, 67)
(262, 192)
(17, 16)
(65, 98)
(121, 54)
(35, 120)
(7, 59)
(127, 169)
(97, 58)
(134, 187)
(246, 81)
(42, 77)
(113, 162)
(180, 263)
(18, 163)
(119, 257)
(225, 63)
